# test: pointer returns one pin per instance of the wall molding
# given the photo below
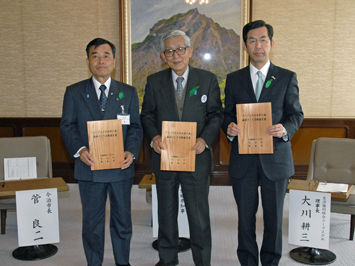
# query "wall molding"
(63, 165)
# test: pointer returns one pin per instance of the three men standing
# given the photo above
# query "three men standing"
(167, 98)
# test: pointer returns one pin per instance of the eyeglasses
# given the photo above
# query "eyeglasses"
(179, 51)
(261, 40)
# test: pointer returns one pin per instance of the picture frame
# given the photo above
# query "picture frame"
(128, 74)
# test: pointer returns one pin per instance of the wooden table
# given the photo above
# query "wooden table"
(9, 188)
(147, 181)
(308, 185)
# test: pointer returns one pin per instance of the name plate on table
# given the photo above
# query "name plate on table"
(37, 217)
(254, 119)
(179, 138)
(106, 143)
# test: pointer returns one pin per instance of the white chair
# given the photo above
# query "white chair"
(333, 160)
(16, 147)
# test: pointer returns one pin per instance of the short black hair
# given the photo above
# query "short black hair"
(97, 42)
(254, 25)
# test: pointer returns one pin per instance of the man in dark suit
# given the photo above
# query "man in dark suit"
(81, 104)
(199, 102)
(271, 171)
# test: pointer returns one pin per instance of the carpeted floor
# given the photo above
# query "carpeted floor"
(224, 233)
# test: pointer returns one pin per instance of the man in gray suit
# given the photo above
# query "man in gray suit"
(197, 101)
(272, 171)
(81, 104)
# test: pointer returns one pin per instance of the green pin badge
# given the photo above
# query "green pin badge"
(268, 83)
(193, 91)
(120, 95)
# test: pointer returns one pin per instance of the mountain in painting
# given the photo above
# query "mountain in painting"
(206, 36)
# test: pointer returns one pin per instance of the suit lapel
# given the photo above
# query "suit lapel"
(90, 99)
(247, 84)
(168, 94)
(270, 81)
(190, 101)
(113, 100)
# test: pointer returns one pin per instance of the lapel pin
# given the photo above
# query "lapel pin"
(268, 83)
(194, 91)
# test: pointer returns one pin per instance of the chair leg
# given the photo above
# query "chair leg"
(3, 221)
(352, 226)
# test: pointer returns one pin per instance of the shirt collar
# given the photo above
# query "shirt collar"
(185, 75)
(264, 69)
(98, 84)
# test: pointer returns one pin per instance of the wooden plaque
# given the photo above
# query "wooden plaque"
(179, 138)
(106, 143)
(254, 119)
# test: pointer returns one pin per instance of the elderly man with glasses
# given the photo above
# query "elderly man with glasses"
(182, 93)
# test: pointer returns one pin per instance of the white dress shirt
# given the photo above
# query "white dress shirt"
(254, 70)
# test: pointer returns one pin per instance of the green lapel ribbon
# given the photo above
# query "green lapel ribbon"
(120, 95)
(268, 83)
(193, 91)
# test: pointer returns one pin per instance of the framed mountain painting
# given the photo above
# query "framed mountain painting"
(214, 28)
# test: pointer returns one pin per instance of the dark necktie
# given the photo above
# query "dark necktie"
(103, 98)
(179, 88)
(259, 85)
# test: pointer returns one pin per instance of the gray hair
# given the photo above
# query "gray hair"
(171, 34)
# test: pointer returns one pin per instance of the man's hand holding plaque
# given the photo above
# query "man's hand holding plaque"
(178, 146)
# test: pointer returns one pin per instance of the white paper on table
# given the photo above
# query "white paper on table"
(20, 168)
(332, 187)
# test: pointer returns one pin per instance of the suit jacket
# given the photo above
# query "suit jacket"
(81, 105)
(283, 93)
(160, 105)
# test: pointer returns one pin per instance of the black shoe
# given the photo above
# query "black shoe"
(123, 264)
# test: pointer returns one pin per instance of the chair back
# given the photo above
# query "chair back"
(332, 160)
(38, 147)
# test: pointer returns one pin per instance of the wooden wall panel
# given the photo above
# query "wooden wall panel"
(7, 132)
(59, 152)
(302, 141)
(63, 165)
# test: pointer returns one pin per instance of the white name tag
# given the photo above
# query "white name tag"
(125, 119)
